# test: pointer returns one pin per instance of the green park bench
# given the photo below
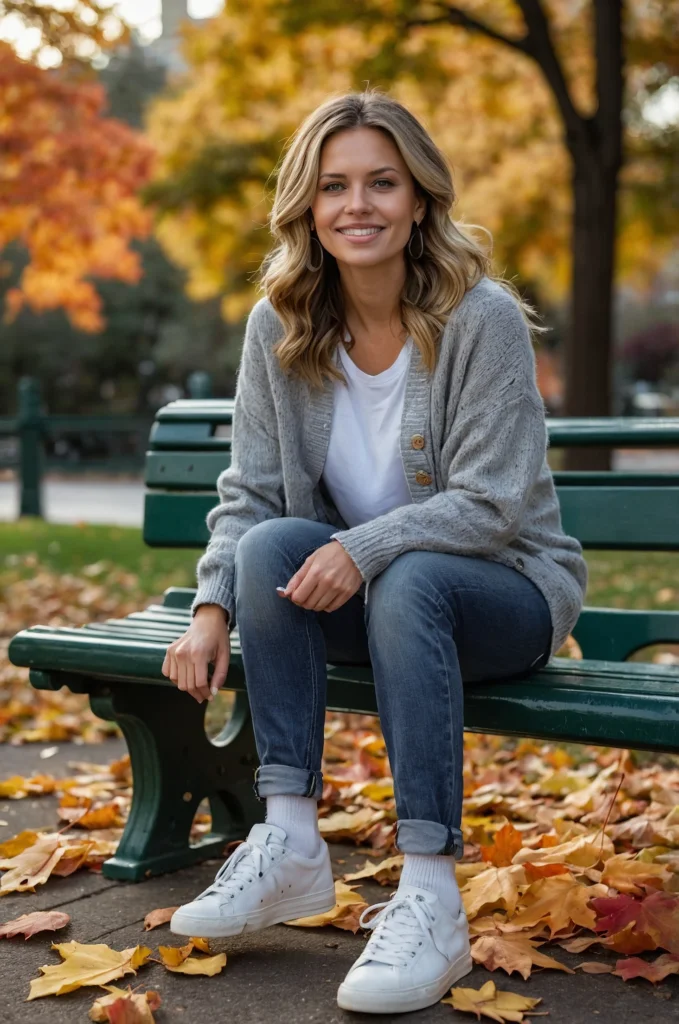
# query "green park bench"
(602, 699)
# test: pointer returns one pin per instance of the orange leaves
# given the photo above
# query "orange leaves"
(179, 960)
(68, 189)
(507, 842)
(513, 953)
(125, 1007)
(345, 914)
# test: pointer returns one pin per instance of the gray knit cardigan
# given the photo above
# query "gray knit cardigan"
(480, 484)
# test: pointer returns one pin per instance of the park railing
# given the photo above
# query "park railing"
(34, 442)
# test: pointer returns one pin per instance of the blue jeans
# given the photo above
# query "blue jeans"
(431, 621)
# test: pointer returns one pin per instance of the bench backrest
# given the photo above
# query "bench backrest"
(190, 445)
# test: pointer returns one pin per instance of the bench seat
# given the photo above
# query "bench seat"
(603, 699)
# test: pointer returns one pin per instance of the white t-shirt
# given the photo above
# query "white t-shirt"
(363, 470)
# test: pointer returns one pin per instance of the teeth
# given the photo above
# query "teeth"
(360, 231)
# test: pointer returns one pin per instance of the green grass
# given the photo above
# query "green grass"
(67, 549)
(617, 579)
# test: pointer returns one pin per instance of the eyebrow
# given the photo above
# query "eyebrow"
(378, 170)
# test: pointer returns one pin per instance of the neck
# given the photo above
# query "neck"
(372, 297)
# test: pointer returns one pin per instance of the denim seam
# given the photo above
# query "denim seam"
(314, 695)
(450, 715)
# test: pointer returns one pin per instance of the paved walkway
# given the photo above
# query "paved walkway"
(279, 974)
(121, 502)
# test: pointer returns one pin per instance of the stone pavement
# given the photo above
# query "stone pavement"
(282, 974)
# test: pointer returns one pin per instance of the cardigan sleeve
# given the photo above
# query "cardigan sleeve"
(491, 459)
(251, 488)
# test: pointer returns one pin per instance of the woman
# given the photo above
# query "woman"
(388, 502)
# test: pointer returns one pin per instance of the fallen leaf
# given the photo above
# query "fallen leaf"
(125, 1007)
(31, 867)
(594, 967)
(635, 967)
(557, 902)
(38, 921)
(635, 925)
(17, 844)
(626, 874)
(154, 918)
(84, 964)
(506, 843)
(178, 960)
(344, 914)
(491, 1002)
(496, 887)
(385, 872)
(512, 953)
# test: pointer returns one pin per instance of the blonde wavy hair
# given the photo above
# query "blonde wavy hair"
(310, 303)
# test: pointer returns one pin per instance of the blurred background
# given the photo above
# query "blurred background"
(142, 139)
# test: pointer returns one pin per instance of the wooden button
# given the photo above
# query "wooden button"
(422, 477)
(417, 441)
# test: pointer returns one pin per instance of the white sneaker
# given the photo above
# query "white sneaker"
(262, 883)
(416, 952)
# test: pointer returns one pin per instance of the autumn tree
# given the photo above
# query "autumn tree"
(69, 176)
(494, 94)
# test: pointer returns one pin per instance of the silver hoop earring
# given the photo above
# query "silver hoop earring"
(410, 242)
(314, 269)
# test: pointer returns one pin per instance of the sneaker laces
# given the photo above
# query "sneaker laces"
(247, 862)
(398, 929)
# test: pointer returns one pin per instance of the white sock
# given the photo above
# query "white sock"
(298, 815)
(435, 873)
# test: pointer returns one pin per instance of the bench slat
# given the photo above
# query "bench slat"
(634, 705)
(617, 518)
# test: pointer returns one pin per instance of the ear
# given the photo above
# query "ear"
(420, 210)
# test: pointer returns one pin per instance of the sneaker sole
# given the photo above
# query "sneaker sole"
(403, 1000)
(277, 913)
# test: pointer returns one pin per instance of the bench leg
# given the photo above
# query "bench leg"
(174, 767)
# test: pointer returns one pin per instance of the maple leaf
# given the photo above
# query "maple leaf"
(512, 953)
(154, 918)
(557, 902)
(38, 921)
(33, 866)
(17, 844)
(84, 964)
(635, 967)
(494, 886)
(635, 925)
(491, 1002)
(344, 914)
(385, 872)
(506, 843)
(125, 1007)
(629, 875)
(179, 960)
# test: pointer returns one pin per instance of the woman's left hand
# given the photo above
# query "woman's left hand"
(328, 578)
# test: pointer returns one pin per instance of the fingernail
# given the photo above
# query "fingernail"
(213, 691)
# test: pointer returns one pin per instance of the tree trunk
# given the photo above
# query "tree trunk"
(588, 362)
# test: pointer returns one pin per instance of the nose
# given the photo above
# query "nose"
(357, 199)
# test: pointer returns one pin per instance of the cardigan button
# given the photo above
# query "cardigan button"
(422, 477)
(417, 442)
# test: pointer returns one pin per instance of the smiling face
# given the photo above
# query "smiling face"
(365, 201)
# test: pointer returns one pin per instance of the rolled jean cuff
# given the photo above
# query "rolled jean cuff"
(278, 779)
(414, 835)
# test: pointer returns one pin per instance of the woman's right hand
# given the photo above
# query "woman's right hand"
(206, 640)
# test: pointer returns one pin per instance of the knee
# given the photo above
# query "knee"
(258, 548)
(402, 591)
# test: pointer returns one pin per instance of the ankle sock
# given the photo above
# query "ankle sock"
(435, 873)
(298, 815)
